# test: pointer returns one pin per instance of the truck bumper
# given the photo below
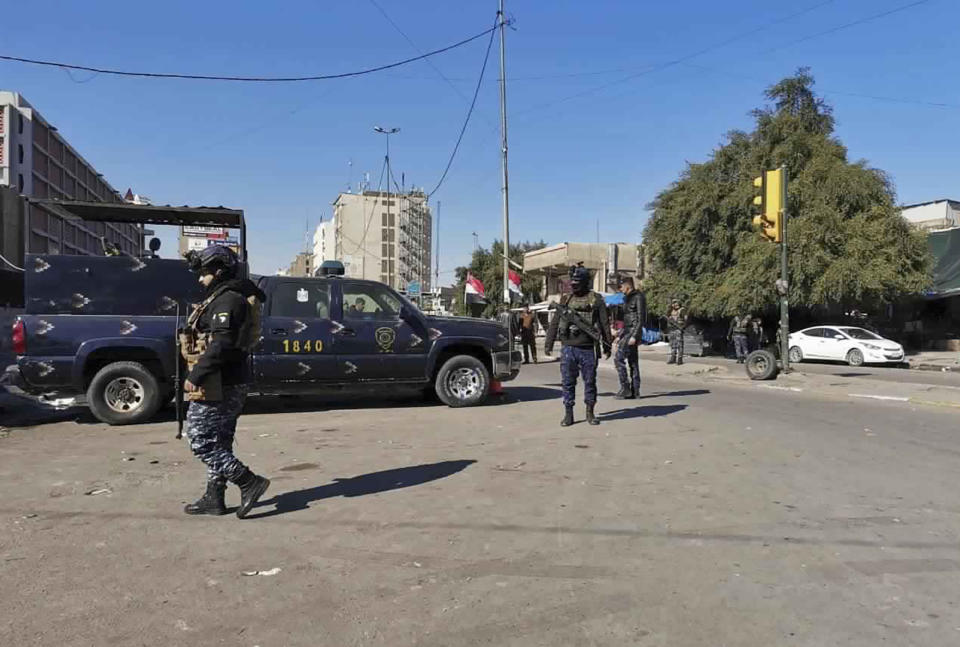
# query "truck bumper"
(506, 366)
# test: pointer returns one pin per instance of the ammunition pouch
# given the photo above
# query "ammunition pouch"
(192, 347)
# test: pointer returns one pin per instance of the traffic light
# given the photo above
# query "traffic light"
(770, 200)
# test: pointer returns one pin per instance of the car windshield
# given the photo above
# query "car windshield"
(859, 333)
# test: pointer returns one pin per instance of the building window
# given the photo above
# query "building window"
(20, 182)
(20, 153)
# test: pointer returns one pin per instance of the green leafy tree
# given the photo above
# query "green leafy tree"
(487, 265)
(848, 244)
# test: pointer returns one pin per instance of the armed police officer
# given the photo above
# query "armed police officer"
(627, 358)
(676, 325)
(582, 327)
(740, 329)
(220, 332)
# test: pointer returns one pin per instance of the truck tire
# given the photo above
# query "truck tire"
(463, 381)
(124, 393)
(761, 365)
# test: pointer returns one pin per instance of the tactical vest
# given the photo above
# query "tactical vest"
(740, 325)
(583, 306)
(194, 342)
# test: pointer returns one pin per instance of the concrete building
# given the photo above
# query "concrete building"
(36, 161)
(937, 214)
(604, 260)
(323, 244)
(302, 265)
(384, 237)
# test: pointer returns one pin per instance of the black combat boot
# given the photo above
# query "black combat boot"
(672, 360)
(679, 361)
(252, 488)
(624, 393)
(591, 418)
(212, 501)
(567, 417)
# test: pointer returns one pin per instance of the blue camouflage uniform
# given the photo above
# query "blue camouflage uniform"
(211, 426)
(579, 354)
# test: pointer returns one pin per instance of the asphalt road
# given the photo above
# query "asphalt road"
(697, 515)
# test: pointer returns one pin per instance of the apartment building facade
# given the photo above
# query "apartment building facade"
(382, 236)
(36, 161)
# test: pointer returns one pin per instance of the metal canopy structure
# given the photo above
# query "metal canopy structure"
(141, 214)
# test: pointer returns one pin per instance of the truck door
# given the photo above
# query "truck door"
(374, 343)
(297, 347)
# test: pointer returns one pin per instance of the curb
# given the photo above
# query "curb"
(930, 367)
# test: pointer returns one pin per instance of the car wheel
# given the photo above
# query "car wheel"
(761, 365)
(463, 381)
(796, 355)
(855, 357)
(124, 393)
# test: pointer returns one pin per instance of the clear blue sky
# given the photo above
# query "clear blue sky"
(281, 152)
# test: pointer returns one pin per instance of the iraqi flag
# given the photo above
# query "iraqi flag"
(474, 292)
(515, 283)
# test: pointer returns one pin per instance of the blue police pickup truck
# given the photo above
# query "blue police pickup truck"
(104, 328)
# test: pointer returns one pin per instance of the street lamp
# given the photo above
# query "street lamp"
(387, 132)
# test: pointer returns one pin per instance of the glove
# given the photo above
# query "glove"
(606, 352)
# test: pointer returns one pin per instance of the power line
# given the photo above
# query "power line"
(466, 121)
(919, 102)
(249, 79)
(419, 51)
(860, 21)
(677, 61)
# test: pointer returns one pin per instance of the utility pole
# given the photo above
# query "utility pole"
(503, 149)
(784, 287)
(387, 132)
(476, 243)
(436, 274)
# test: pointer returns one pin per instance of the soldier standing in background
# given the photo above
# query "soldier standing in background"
(627, 358)
(220, 333)
(740, 327)
(676, 324)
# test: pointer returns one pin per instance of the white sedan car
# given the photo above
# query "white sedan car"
(855, 346)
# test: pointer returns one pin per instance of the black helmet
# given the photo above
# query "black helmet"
(579, 274)
(212, 258)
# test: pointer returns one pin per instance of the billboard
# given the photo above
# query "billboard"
(209, 232)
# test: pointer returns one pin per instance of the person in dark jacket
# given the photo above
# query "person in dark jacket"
(579, 355)
(220, 377)
(627, 359)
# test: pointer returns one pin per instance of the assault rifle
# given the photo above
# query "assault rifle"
(574, 317)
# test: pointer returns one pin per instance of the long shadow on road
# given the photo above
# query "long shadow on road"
(675, 394)
(651, 411)
(362, 485)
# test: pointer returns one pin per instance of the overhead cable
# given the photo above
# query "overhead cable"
(473, 103)
(247, 79)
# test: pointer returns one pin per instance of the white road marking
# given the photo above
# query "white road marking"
(781, 388)
(895, 398)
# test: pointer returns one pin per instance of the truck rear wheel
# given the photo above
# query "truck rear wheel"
(463, 381)
(761, 365)
(124, 393)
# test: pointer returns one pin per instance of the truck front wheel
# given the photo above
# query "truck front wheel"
(463, 381)
(124, 393)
